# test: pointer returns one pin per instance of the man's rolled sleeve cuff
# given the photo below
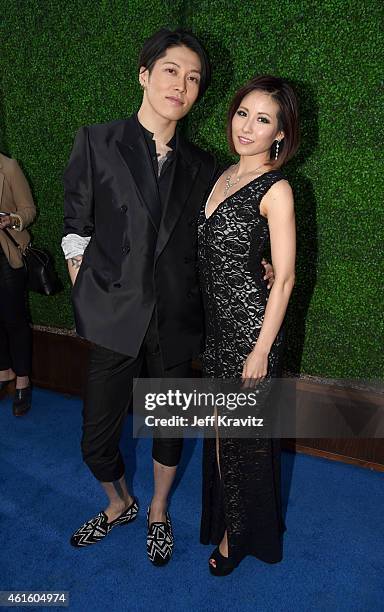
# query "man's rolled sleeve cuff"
(74, 245)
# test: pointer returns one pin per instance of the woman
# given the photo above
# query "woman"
(249, 208)
(17, 210)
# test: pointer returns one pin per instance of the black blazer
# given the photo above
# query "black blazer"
(131, 263)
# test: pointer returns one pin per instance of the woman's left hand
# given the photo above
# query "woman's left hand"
(255, 367)
(269, 273)
(5, 221)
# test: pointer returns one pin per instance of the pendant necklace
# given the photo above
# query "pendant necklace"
(229, 184)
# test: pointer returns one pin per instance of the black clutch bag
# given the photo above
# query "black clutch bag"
(41, 274)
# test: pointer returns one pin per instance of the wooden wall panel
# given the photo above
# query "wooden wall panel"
(59, 361)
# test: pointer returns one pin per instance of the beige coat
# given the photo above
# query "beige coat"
(15, 198)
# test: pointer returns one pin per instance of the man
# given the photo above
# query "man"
(133, 190)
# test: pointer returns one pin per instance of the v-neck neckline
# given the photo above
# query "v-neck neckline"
(231, 195)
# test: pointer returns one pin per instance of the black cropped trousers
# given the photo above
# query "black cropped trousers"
(107, 398)
(15, 331)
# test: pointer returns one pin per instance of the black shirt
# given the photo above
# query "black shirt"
(164, 180)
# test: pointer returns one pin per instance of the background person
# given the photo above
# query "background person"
(15, 334)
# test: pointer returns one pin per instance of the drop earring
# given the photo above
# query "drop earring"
(277, 149)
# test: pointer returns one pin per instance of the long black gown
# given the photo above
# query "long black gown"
(246, 499)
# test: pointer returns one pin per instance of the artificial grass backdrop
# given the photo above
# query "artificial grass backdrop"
(65, 65)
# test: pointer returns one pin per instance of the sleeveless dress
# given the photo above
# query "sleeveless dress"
(245, 499)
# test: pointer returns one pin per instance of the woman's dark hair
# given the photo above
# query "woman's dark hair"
(287, 115)
(155, 47)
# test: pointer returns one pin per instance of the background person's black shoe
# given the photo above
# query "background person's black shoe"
(6, 387)
(22, 401)
(98, 527)
(159, 540)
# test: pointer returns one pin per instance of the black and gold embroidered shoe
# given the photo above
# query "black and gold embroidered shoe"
(159, 541)
(98, 527)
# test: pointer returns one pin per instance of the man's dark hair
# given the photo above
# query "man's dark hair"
(155, 47)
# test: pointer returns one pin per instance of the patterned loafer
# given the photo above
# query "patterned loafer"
(98, 527)
(160, 541)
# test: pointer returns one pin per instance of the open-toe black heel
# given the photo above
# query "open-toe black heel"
(223, 565)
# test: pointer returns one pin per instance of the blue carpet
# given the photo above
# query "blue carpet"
(333, 554)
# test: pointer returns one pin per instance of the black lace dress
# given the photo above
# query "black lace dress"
(246, 499)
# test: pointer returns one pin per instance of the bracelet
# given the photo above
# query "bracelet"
(15, 222)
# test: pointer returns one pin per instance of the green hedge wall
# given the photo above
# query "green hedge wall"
(65, 65)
